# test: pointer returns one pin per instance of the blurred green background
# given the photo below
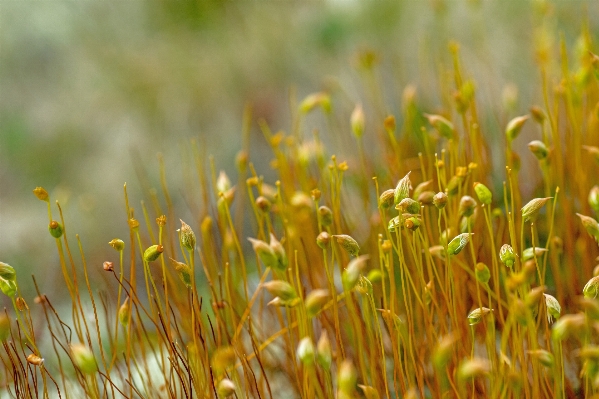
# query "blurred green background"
(88, 87)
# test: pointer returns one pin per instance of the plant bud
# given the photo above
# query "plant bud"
(125, 312)
(252, 181)
(590, 289)
(279, 252)
(187, 236)
(55, 229)
(321, 99)
(223, 183)
(184, 272)
(281, 289)
(567, 325)
(531, 253)
(427, 294)
(594, 198)
(537, 114)
(422, 187)
(472, 368)
(553, 308)
(408, 205)
(306, 352)
(387, 198)
(533, 297)
(483, 275)
(4, 327)
(386, 246)
(228, 240)
(222, 358)
(315, 301)
(8, 280)
(458, 243)
(117, 244)
(591, 226)
(454, 184)
(443, 351)
(348, 244)
(288, 304)
(347, 377)
(374, 276)
(316, 194)
(226, 199)
(108, 266)
(389, 124)
(544, 357)
(35, 360)
(7, 272)
(357, 121)
(403, 189)
(394, 224)
(326, 215)
(426, 197)
(351, 274)
(442, 125)
(507, 256)
(477, 315)
(539, 149)
(41, 194)
(301, 200)
(133, 224)
(467, 205)
(323, 240)
(206, 227)
(440, 200)
(514, 126)
(324, 356)
(529, 270)
(161, 220)
(412, 223)
(83, 358)
(531, 210)
(241, 160)
(483, 193)
(226, 387)
(263, 204)
(265, 253)
(21, 304)
(153, 252)
(516, 162)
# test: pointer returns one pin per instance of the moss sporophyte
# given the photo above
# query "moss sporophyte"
(255, 282)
